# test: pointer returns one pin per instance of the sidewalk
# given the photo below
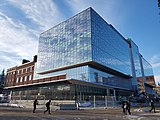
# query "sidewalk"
(83, 114)
(11, 105)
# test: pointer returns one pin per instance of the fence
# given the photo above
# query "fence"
(28, 97)
(95, 101)
(99, 101)
(3, 99)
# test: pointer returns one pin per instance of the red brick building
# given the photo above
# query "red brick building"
(150, 80)
(158, 90)
(23, 75)
(20, 75)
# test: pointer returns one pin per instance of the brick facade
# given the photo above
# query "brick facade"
(23, 74)
(20, 75)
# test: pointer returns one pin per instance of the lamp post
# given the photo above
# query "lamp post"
(41, 99)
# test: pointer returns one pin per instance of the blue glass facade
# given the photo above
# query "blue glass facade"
(108, 46)
(89, 74)
(148, 72)
(82, 57)
(78, 73)
(136, 59)
(66, 44)
(141, 70)
(136, 67)
(85, 37)
(97, 76)
(147, 68)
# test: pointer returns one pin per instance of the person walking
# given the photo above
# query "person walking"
(35, 103)
(48, 107)
(128, 108)
(152, 107)
(124, 106)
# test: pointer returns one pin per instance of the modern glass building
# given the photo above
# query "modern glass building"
(82, 57)
(136, 66)
(142, 72)
(148, 72)
(85, 37)
(86, 48)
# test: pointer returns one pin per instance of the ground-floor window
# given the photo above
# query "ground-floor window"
(65, 91)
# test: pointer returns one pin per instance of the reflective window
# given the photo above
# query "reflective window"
(137, 70)
(148, 72)
(88, 74)
(25, 78)
(17, 80)
(30, 77)
(66, 44)
(69, 43)
(97, 76)
(78, 73)
(136, 59)
(82, 38)
(108, 46)
(21, 79)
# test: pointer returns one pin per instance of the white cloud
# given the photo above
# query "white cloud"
(108, 9)
(155, 58)
(18, 40)
(155, 64)
(45, 13)
(157, 77)
(155, 61)
(15, 38)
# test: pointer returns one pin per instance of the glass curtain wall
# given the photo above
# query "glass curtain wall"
(136, 59)
(97, 76)
(56, 91)
(66, 44)
(148, 72)
(109, 48)
(78, 73)
(137, 66)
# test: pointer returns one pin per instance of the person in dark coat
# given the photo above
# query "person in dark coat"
(128, 108)
(48, 107)
(152, 107)
(124, 106)
(35, 103)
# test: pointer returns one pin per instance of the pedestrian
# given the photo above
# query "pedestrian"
(35, 103)
(152, 107)
(48, 107)
(124, 106)
(128, 108)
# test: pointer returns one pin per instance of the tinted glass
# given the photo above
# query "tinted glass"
(148, 72)
(109, 47)
(66, 44)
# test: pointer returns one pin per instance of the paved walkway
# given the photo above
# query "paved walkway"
(86, 114)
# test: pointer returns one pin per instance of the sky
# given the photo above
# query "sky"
(21, 22)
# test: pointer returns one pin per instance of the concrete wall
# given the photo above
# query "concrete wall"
(55, 104)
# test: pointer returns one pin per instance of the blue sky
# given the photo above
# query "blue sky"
(21, 22)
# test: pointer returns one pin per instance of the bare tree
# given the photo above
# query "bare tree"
(2, 78)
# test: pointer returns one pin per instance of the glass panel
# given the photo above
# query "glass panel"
(108, 46)
(148, 72)
(66, 44)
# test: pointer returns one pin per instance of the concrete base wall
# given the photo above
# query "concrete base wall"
(55, 104)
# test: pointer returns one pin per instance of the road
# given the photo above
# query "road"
(84, 114)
